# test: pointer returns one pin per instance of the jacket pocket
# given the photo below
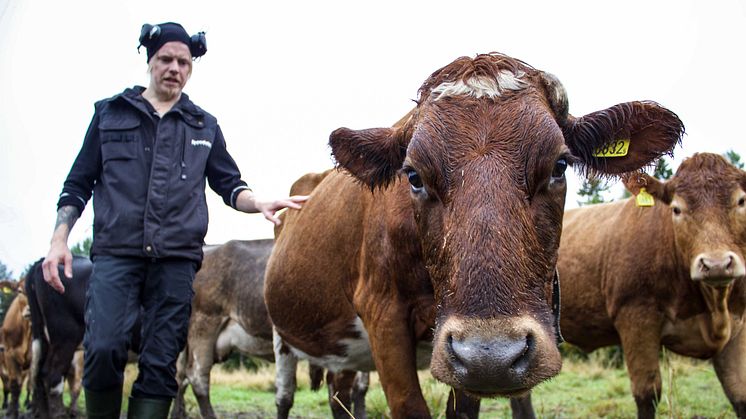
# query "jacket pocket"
(120, 137)
(118, 151)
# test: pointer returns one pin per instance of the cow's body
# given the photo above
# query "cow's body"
(453, 252)
(228, 314)
(627, 277)
(16, 332)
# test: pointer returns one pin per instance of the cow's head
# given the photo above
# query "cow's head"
(485, 153)
(707, 199)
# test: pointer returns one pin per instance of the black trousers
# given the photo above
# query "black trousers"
(120, 287)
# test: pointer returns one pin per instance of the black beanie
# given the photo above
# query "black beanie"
(154, 37)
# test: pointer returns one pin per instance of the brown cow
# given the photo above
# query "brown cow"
(671, 275)
(446, 234)
(16, 333)
(8, 287)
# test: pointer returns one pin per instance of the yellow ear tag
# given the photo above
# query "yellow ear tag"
(618, 148)
(644, 199)
(7, 290)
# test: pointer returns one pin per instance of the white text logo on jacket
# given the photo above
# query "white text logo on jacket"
(203, 143)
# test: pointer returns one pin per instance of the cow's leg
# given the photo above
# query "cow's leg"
(316, 376)
(54, 398)
(359, 390)
(285, 383)
(178, 410)
(15, 394)
(58, 364)
(201, 354)
(641, 342)
(461, 406)
(730, 366)
(74, 381)
(522, 407)
(394, 355)
(340, 386)
(14, 377)
(6, 390)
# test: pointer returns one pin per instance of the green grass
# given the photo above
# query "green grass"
(584, 389)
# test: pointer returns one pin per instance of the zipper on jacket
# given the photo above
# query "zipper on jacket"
(183, 175)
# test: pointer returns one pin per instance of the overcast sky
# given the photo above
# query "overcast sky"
(281, 75)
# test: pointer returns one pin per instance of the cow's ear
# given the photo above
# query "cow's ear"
(662, 191)
(373, 156)
(651, 130)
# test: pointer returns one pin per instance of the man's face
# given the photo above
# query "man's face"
(170, 69)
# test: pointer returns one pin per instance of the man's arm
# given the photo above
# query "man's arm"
(247, 202)
(59, 252)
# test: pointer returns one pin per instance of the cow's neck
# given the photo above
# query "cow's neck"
(715, 326)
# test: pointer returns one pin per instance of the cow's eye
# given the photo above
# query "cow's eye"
(742, 202)
(559, 168)
(676, 210)
(414, 180)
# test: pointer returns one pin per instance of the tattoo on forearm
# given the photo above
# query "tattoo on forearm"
(67, 215)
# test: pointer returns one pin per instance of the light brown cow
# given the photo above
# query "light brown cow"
(7, 287)
(16, 333)
(446, 234)
(670, 275)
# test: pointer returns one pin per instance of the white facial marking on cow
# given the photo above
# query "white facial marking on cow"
(358, 353)
(481, 86)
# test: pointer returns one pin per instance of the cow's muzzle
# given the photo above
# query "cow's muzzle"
(494, 357)
(717, 269)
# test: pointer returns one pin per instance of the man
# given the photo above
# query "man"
(145, 159)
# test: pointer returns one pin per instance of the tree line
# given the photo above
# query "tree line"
(593, 188)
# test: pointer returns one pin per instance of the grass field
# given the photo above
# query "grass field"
(584, 389)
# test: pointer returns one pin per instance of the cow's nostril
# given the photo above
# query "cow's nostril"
(521, 362)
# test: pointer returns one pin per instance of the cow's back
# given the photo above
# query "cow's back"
(319, 281)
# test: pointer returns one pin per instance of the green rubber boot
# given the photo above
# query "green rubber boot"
(148, 408)
(103, 404)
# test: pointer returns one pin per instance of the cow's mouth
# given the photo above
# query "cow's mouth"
(717, 282)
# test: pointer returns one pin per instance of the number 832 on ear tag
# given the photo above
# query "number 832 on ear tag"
(618, 148)
(644, 199)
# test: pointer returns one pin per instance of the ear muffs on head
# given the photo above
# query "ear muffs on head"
(198, 45)
(148, 35)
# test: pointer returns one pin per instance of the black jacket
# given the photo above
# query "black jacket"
(147, 175)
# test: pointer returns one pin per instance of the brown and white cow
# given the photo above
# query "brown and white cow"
(16, 331)
(444, 239)
(670, 275)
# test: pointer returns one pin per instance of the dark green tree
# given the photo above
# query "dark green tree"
(591, 191)
(662, 170)
(734, 158)
(82, 248)
(5, 273)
